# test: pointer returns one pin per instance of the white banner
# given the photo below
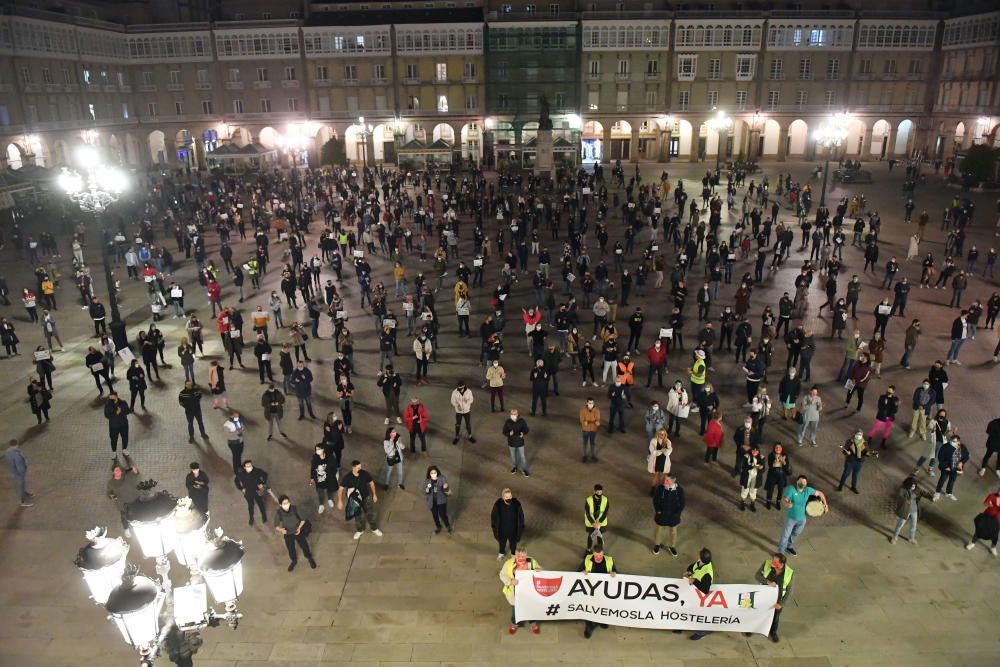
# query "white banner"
(643, 602)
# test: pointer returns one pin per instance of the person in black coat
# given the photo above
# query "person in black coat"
(98, 369)
(668, 503)
(136, 384)
(507, 521)
(747, 434)
(116, 411)
(253, 483)
(197, 487)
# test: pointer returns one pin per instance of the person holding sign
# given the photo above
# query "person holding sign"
(508, 574)
(700, 574)
(596, 562)
(774, 572)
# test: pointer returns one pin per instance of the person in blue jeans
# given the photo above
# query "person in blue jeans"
(794, 501)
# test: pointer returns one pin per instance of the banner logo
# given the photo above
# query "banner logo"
(546, 587)
(746, 600)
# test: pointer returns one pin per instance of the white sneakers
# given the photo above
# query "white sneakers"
(499, 556)
(329, 501)
(952, 496)
(322, 508)
(970, 546)
(386, 421)
(937, 497)
(377, 532)
(357, 535)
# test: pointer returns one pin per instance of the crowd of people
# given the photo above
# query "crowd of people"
(559, 262)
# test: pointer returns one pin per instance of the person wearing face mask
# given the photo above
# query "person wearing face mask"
(924, 398)
(618, 397)
(858, 382)
(323, 476)
(508, 576)
(595, 517)
(706, 406)
(436, 492)
(794, 500)
(853, 346)
(952, 456)
(876, 352)
(750, 469)
(698, 376)
(657, 356)
(359, 488)
(253, 483)
(196, 483)
(668, 504)
(393, 446)
(788, 393)
(654, 419)
(495, 376)
(747, 435)
(907, 508)
(294, 529)
(515, 428)
(507, 522)
(774, 572)
(590, 422)
(855, 452)
(778, 470)
(701, 575)
(678, 407)
(121, 488)
(885, 417)
(596, 562)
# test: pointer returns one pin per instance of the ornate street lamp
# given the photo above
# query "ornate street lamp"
(366, 131)
(94, 188)
(153, 614)
(830, 135)
(756, 124)
(719, 123)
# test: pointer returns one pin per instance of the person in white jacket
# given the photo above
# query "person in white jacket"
(422, 350)
(461, 400)
(678, 407)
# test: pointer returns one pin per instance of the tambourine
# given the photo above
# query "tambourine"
(815, 507)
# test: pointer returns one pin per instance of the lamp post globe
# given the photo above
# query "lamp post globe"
(830, 135)
(152, 520)
(222, 570)
(102, 563)
(135, 607)
(191, 528)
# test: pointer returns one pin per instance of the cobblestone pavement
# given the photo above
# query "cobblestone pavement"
(418, 598)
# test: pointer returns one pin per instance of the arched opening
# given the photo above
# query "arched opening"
(740, 136)
(443, 132)
(904, 139)
(772, 137)
(209, 140)
(268, 137)
(880, 138)
(15, 158)
(855, 143)
(158, 148)
(186, 149)
(239, 136)
(472, 142)
(416, 132)
(959, 135)
(592, 138)
(115, 150)
(621, 141)
(353, 144)
(326, 133)
(798, 138)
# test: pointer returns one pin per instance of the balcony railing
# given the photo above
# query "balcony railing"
(234, 85)
(175, 87)
(261, 84)
(290, 83)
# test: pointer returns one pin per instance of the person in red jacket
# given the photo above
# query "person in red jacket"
(214, 295)
(415, 418)
(223, 322)
(657, 355)
(713, 437)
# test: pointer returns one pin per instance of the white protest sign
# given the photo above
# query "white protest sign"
(643, 602)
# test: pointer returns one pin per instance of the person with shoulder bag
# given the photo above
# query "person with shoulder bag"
(294, 529)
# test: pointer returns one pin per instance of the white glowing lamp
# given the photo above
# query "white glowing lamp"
(102, 563)
(190, 526)
(135, 608)
(222, 569)
(152, 520)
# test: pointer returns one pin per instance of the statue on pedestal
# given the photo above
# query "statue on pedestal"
(544, 122)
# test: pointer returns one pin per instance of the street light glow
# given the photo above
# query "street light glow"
(87, 157)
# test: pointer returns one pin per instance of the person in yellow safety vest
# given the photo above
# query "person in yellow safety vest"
(698, 376)
(595, 516)
(253, 270)
(774, 572)
(626, 371)
(596, 563)
(519, 561)
(701, 575)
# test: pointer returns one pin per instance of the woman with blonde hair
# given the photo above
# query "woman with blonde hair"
(658, 462)
(217, 385)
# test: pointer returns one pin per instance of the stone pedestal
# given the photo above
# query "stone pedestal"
(544, 158)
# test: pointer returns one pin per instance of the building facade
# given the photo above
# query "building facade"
(628, 81)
